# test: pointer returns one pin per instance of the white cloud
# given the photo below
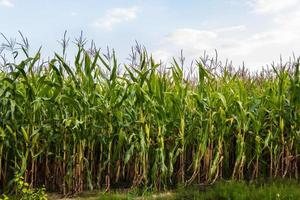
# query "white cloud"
(232, 28)
(192, 37)
(161, 54)
(272, 6)
(6, 3)
(235, 43)
(256, 47)
(73, 14)
(289, 20)
(116, 16)
(194, 41)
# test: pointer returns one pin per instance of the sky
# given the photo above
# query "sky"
(256, 32)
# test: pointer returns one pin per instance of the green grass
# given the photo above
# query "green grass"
(231, 190)
(221, 190)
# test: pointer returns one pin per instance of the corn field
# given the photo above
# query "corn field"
(96, 124)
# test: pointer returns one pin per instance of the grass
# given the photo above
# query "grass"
(221, 190)
(232, 190)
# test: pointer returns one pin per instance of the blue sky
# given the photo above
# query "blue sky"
(254, 31)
